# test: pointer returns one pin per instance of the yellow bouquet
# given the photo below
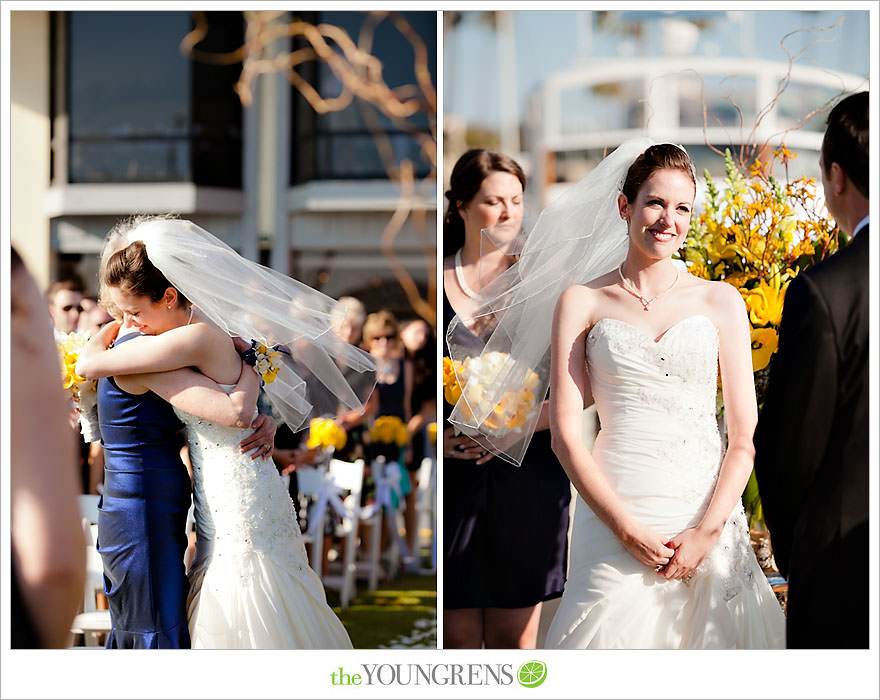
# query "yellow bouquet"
(326, 433)
(390, 430)
(432, 432)
(475, 375)
(82, 391)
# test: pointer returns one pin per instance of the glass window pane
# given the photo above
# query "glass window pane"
(344, 145)
(142, 111)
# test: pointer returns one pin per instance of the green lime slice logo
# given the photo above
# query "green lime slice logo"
(532, 673)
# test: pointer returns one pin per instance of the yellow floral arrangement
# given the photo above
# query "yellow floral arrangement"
(69, 347)
(390, 430)
(473, 375)
(757, 234)
(83, 391)
(432, 432)
(326, 433)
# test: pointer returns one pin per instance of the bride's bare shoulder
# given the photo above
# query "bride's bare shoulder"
(578, 300)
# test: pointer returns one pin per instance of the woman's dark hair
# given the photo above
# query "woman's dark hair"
(662, 156)
(846, 139)
(130, 269)
(468, 174)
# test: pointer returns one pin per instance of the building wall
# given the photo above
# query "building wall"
(29, 145)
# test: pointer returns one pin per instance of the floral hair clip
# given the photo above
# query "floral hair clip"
(266, 360)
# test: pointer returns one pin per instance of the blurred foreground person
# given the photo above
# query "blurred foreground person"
(48, 551)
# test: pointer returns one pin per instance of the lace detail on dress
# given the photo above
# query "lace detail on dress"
(731, 559)
(243, 501)
(689, 368)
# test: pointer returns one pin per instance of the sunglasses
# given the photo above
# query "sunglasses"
(70, 307)
(384, 337)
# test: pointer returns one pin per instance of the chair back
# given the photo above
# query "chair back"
(309, 480)
(426, 470)
(348, 476)
(88, 506)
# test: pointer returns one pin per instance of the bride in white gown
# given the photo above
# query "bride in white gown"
(251, 585)
(660, 553)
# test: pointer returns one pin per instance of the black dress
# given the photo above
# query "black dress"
(505, 528)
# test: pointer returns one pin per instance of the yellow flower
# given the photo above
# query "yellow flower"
(451, 386)
(432, 432)
(764, 344)
(69, 347)
(765, 303)
(390, 430)
(784, 154)
(325, 433)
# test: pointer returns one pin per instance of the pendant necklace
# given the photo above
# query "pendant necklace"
(646, 303)
(459, 276)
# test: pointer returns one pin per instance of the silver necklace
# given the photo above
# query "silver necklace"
(459, 276)
(646, 303)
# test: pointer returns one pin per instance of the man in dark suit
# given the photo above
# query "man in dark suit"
(812, 437)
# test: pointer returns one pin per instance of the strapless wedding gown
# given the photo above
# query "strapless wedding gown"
(251, 586)
(660, 449)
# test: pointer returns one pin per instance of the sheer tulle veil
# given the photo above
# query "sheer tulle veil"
(577, 237)
(254, 302)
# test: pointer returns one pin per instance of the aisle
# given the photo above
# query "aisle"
(401, 614)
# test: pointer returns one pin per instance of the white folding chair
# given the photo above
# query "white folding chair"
(347, 476)
(426, 503)
(310, 482)
(90, 621)
(88, 506)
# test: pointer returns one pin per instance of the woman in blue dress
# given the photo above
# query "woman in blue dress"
(250, 585)
(142, 518)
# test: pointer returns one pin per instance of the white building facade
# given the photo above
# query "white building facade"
(111, 118)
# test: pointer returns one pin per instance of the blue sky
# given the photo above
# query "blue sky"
(551, 41)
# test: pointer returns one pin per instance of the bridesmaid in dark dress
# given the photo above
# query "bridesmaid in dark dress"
(142, 517)
(142, 513)
(504, 527)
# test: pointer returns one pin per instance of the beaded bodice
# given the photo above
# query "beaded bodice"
(241, 504)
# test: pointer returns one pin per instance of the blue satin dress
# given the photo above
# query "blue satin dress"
(142, 519)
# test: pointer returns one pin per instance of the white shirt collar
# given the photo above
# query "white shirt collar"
(860, 226)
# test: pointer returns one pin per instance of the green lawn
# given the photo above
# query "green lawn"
(401, 614)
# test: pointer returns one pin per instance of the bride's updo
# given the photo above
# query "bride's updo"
(467, 176)
(661, 156)
(129, 267)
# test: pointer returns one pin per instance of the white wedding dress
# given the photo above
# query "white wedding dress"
(251, 586)
(660, 448)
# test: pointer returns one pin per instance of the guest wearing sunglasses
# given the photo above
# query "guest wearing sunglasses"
(65, 305)
(381, 333)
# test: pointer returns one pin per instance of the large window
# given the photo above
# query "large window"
(140, 110)
(342, 145)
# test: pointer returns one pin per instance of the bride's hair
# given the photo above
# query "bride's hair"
(662, 156)
(130, 269)
(468, 174)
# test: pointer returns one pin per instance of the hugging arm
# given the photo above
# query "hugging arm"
(741, 414)
(176, 348)
(200, 396)
(569, 391)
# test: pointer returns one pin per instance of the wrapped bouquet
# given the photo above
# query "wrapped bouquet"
(473, 378)
(84, 392)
